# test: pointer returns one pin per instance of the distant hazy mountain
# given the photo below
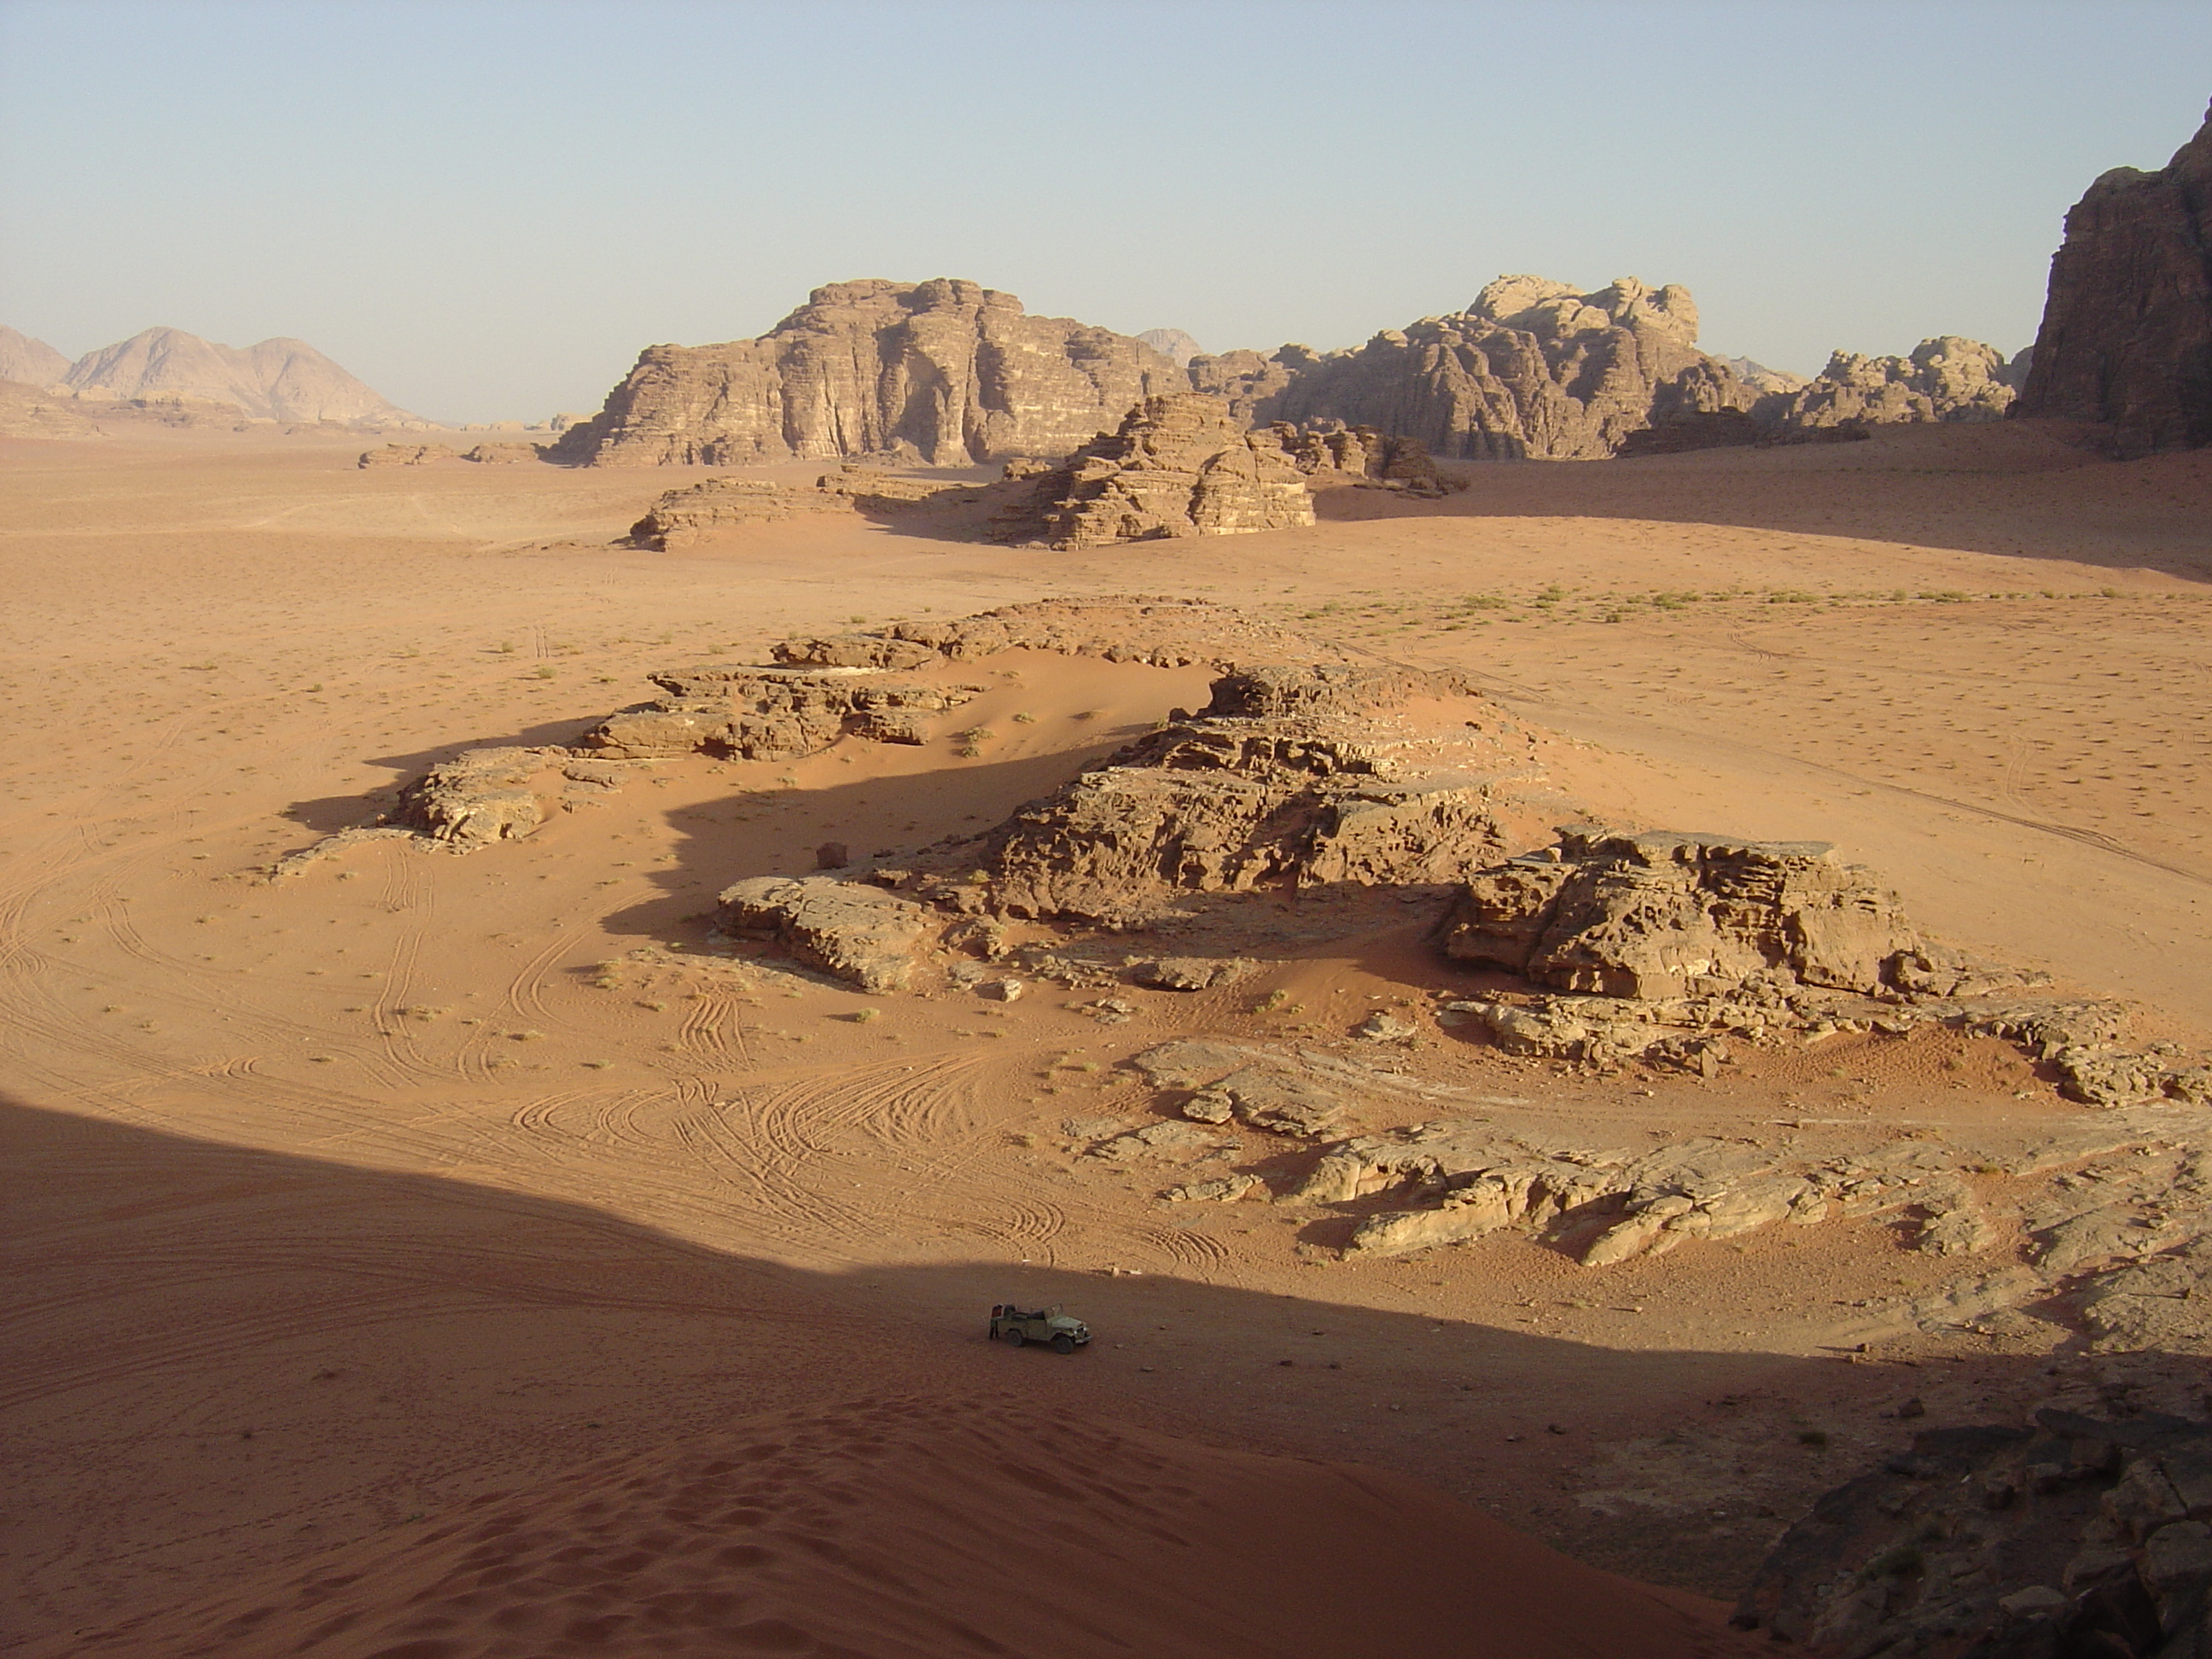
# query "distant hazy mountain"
(31, 362)
(1759, 375)
(1172, 343)
(278, 379)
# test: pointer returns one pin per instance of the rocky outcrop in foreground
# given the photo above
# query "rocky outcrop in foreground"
(776, 712)
(2126, 338)
(945, 373)
(1178, 465)
(1667, 914)
(1670, 948)
(1292, 777)
(2076, 1537)
(1531, 368)
(858, 933)
(1462, 1179)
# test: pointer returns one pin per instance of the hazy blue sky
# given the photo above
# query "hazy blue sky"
(484, 208)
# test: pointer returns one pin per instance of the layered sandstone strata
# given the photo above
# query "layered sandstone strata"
(2127, 329)
(946, 373)
(1177, 466)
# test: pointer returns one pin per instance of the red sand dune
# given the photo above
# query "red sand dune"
(905, 1529)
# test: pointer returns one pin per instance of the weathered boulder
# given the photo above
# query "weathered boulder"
(1177, 466)
(1667, 914)
(859, 933)
(1531, 368)
(1190, 973)
(2127, 328)
(946, 373)
(503, 454)
(480, 796)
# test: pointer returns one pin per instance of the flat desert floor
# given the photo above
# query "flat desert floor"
(342, 1203)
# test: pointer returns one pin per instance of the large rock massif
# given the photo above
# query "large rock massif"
(946, 373)
(1178, 465)
(2127, 329)
(1532, 368)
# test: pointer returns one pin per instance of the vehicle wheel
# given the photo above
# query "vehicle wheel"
(1063, 1344)
(1012, 1337)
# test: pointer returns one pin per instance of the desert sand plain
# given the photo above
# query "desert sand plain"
(413, 1182)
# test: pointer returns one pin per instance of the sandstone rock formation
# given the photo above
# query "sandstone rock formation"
(684, 516)
(30, 362)
(2116, 1233)
(1361, 453)
(1665, 915)
(278, 379)
(28, 412)
(407, 455)
(478, 797)
(946, 373)
(2079, 1535)
(1288, 779)
(777, 713)
(1224, 1081)
(1945, 378)
(1178, 465)
(1164, 631)
(1531, 368)
(2127, 328)
(859, 933)
(1695, 429)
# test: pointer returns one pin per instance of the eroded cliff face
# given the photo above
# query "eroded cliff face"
(2127, 328)
(947, 372)
(1532, 368)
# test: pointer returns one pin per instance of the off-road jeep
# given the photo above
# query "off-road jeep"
(1015, 1327)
